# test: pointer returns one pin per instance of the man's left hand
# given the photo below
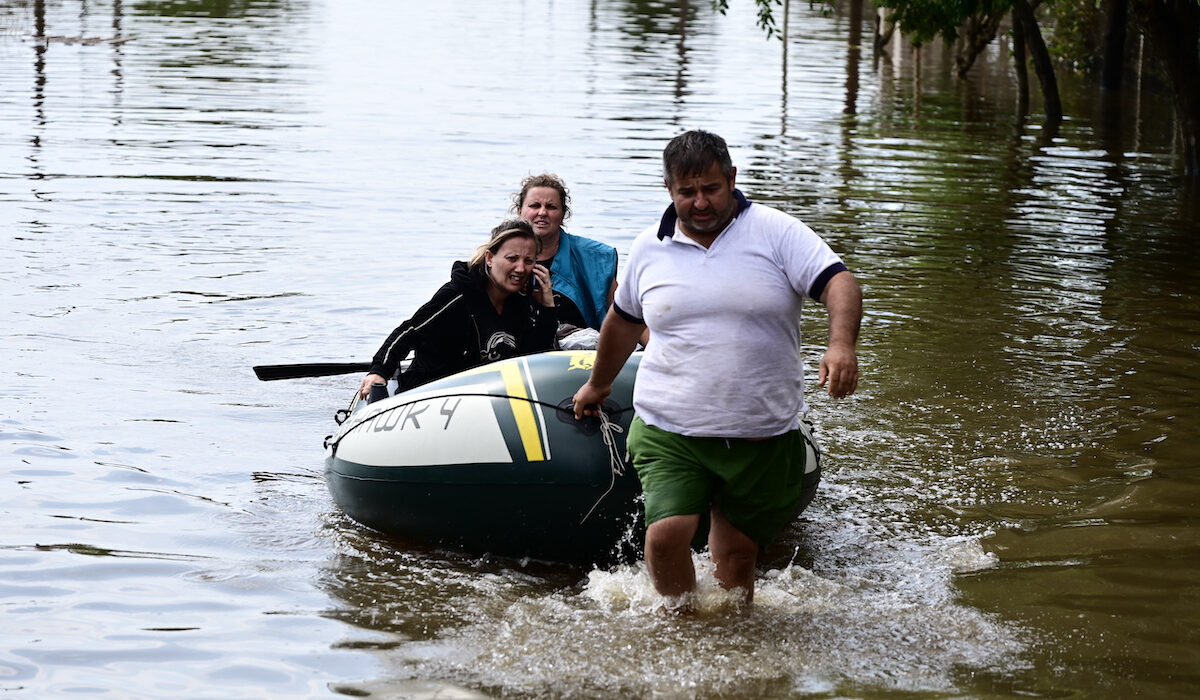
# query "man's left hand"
(839, 369)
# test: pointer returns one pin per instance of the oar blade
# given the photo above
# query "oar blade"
(269, 373)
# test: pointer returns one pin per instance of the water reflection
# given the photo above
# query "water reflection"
(118, 88)
(1009, 503)
(39, 80)
(853, 55)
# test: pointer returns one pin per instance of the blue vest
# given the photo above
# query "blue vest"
(584, 270)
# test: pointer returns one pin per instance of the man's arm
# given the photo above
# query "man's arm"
(618, 338)
(839, 365)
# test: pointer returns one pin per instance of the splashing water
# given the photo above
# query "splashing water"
(807, 632)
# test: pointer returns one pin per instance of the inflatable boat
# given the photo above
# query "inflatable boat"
(492, 460)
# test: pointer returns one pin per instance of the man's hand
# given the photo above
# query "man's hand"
(589, 399)
(839, 369)
(839, 366)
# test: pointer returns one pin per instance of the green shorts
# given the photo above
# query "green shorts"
(757, 484)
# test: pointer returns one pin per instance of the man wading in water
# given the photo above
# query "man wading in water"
(719, 393)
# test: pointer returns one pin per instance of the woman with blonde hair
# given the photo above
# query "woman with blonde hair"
(498, 304)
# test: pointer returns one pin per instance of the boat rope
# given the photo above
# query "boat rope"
(616, 462)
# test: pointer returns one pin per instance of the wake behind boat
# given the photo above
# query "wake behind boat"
(492, 460)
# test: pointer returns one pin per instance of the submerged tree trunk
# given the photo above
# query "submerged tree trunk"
(1172, 29)
(1115, 13)
(977, 32)
(1018, 48)
(853, 52)
(1041, 60)
(884, 28)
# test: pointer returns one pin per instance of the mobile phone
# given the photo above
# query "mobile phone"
(533, 282)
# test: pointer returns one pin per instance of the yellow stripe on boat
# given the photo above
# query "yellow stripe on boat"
(514, 375)
(527, 427)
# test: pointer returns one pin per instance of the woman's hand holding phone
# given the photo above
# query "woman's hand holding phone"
(539, 286)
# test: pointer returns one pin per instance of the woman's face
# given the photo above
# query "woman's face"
(510, 266)
(543, 207)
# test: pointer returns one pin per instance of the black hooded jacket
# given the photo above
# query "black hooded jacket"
(459, 328)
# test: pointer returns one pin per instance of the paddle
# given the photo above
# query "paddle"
(269, 373)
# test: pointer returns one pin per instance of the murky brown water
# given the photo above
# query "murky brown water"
(1009, 505)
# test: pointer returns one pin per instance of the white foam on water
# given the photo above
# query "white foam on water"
(891, 621)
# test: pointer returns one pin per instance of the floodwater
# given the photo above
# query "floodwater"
(190, 188)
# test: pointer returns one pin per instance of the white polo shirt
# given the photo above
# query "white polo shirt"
(724, 352)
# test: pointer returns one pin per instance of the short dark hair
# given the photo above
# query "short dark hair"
(691, 152)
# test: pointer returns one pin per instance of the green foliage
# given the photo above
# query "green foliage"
(1074, 33)
(923, 20)
(1072, 26)
(766, 14)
